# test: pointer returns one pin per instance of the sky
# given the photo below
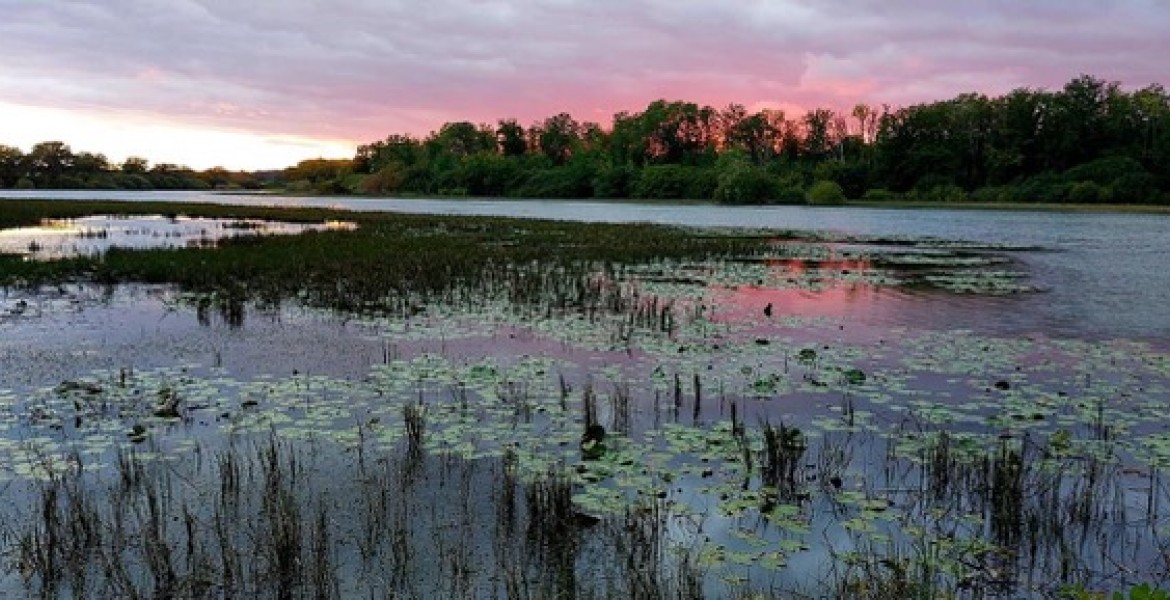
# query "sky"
(256, 84)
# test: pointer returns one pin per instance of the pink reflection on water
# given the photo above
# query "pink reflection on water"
(799, 288)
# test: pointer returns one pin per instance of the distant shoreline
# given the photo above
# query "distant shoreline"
(875, 204)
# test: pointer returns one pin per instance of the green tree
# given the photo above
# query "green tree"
(1151, 123)
(558, 137)
(488, 174)
(48, 162)
(867, 122)
(1027, 145)
(1073, 130)
(135, 165)
(11, 165)
(510, 136)
(166, 176)
(1014, 150)
(628, 143)
(740, 181)
(403, 150)
(462, 139)
(680, 133)
(818, 134)
(323, 175)
(756, 135)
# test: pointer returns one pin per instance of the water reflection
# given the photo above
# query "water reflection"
(868, 294)
(1102, 273)
(94, 235)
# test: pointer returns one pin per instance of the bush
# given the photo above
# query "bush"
(1135, 188)
(992, 193)
(826, 192)
(132, 182)
(100, 182)
(791, 194)
(558, 182)
(1045, 187)
(1087, 192)
(853, 177)
(485, 174)
(941, 193)
(1104, 171)
(879, 195)
(387, 180)
(68, 182)
(24, 183)
(666, 181)
(702, 183)
(330, 186)
(675, 182)
(614, 182)
(932, 181)
(745, 184)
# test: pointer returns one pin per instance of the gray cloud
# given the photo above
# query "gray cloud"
(359, 69)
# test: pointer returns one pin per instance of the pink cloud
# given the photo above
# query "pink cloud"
(360, 69)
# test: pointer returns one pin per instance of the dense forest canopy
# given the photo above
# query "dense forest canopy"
(1089, 142)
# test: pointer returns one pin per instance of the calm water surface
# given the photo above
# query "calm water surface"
(1105, 275)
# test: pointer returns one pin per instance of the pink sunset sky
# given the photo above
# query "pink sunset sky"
(266, 83)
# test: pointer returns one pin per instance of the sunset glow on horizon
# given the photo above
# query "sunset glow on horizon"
(120, 136)
(264, 85)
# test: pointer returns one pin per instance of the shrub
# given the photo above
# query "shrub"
(992, 193)
(330, 186)
(1104, 171)
(942, 193)
(745, 184)
(665, 181)
(485, 174)
(614, 182)
(1135, 188)
(558, 182)
(675, 182)
(826, 192)
(879, 195)
(100, 182)
(132, 182)
(853, 177)
(791, 194)
(387, 180)
(932, 181)
(1045, 187)
(1088, 192)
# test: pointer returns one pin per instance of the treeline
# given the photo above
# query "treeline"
(54, 165)
(1089, 142)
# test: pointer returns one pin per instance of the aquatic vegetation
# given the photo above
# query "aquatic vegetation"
(555, 410)
(1020, 470)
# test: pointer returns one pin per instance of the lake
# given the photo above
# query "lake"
(1104, 275)
(926, 403)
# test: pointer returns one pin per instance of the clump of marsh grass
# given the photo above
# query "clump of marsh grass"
(782, 460)
(301, 519)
